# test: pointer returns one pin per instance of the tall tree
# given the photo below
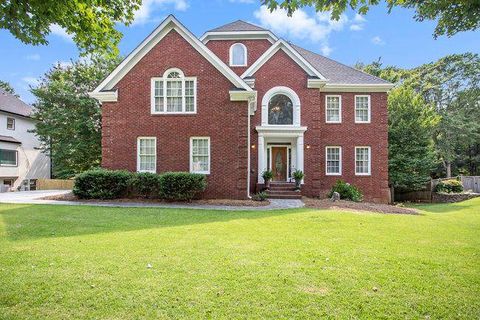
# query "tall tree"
(90, 22)
(451, 16)
(411, 122)
(7, 87)
(69, 121)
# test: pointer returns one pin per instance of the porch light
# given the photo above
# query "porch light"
(308, 146)
(253, 146)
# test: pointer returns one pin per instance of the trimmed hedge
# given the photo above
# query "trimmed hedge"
(449, 186)
(146, 184)
(181, 186)
(102, 184)
(347, 191)
(113, 184)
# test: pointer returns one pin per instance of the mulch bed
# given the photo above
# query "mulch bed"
(357, 206)
(212, 202)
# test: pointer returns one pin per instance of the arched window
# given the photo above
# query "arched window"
(280, 110)
(238, 55)
(174, 93)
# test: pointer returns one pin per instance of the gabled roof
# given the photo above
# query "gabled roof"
(238, 25)
(12, 104)
(292, 53)
(104, 90)
(9, 139)
(337, 72)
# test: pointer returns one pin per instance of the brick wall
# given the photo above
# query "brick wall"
(225, 122)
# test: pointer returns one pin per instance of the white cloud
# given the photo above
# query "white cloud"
(34, 57)
(378, 41)
(359, 18)
(242, 1)
(144, 13)
(60, 32)
(356, 27)
(358, 23)
(31, 81)
(315, 28)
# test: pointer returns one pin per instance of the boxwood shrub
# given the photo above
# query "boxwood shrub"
(449, 186)
(146, 184)
(347, 191)
(181, 186)
(102, 184)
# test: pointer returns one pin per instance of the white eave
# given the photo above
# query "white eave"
(104, 89)
(238, 35)
(292, 53)
(360, 87)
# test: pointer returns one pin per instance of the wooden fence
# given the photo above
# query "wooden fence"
(471, 183)
(54, 184)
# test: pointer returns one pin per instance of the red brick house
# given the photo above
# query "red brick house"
(238, 101)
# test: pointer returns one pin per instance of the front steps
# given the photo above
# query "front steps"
(283, 190)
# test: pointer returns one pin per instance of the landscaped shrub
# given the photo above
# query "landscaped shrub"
(449, 186)
(102, 184)
(146, 184)
(260, 196)
(181, 186)
(346, 191)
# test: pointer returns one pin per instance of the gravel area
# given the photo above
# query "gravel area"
(357, 206)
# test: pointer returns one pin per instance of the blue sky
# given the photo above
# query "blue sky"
(395, 37)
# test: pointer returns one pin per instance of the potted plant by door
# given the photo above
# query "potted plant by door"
(298, 175)
(267, 176)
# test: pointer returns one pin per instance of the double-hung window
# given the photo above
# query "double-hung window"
(362, 161)
(10, 123)
(333, 109)
(362, 109)
(333, 163)
(174, 93)
(200, 155)
(147, 154)
(8, 158)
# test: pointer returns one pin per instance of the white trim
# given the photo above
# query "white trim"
(13, 124)
(379, 87)
(339, 108)
(296, 112)
(241, 95)
(169, 24)
(191, 155)
(369, 161)
(292, 53)
(105, 96)
(245, 55)
(280, 131)
(16, 158)
(369, 107)
(138, 154)
(340, 161)
(315, 83)
(183, 79)
(238, 35)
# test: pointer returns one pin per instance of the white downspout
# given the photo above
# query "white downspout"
(248, 149)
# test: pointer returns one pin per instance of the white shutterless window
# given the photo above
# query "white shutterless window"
(174, 93)
(333, 109)
(147, 154)
(200, 155)
(363, 161)
(238, 55)
(333, 161)
(362, 109)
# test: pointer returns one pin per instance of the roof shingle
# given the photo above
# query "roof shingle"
(238, 25)
(11, 104)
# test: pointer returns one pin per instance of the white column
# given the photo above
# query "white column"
(261, 157)
(299, 164)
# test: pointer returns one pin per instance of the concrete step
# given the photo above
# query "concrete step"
(285, 196)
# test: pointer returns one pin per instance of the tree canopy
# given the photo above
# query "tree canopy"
(90, 22)
(451, 16)
(7, 87)
(69, 121)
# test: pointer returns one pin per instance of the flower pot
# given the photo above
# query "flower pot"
(267, 184)
(297, 184)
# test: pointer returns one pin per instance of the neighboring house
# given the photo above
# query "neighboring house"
(239, 101)
(21, 160)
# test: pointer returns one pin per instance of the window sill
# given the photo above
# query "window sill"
(333, 174)
(173, 113)
(363, 174)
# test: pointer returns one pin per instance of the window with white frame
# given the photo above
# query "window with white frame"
(147, 154)
(174, 93)
(333, 161)
(362, 160)
(8, 158)
(333, 106)
(200, 155)
(10, 123)
(362, 109)
(238, 55)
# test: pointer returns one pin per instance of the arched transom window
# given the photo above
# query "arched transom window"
(238, 55)
(174, 93)
(280, 110)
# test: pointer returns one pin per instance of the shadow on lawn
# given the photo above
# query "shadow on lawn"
(450, 207)
(43, 221)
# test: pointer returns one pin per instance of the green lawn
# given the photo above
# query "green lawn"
(63, 262)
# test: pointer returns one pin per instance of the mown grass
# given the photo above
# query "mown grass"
(63, 262)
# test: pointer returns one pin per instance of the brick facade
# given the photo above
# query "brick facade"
(225, 122)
